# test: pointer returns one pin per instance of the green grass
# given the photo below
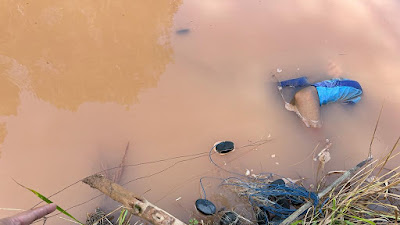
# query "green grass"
(369, 197)
(49, 201)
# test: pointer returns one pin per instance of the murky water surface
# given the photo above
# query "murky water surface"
(81, 79)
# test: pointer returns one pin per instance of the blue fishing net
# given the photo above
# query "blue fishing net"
(271, 199)
(276, 199)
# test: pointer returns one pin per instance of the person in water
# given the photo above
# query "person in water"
(306, 102)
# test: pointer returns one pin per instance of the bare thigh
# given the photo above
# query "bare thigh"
(307, 103)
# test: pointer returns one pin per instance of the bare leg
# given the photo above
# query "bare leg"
(306, 104)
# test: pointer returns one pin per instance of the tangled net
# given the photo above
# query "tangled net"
(271, 200)
(99, 217)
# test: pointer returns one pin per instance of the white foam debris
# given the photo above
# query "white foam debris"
(247, 172)
(178, 199)
(278, 70)
(273, 156)
(324, 156)
(277, 163)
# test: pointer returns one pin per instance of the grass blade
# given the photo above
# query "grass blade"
(48, 201)
(361, 219)
(122, 216)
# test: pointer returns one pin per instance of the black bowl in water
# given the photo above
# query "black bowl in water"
(224, 147)
(206, 207)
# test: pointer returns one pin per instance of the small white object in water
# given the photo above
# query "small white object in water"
(324, 157)
(327, 140)
(371, 179)
(269, 136)
(178, 199)
(273, 156)
(311, 185)
(277, 163)
(279, 70)
(247, 172)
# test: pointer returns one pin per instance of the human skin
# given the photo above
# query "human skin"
(29, 216)
(306, 105)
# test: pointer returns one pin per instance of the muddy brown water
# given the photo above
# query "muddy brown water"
(81, 79)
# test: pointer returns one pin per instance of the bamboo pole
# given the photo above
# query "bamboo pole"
(136, 205)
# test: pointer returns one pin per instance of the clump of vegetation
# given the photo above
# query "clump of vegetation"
(99, 217)
(370, 196)
(193, 221)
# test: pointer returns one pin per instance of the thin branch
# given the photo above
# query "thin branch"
(373, 135)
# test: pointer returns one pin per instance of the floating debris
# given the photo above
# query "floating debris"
(183, 31)
(324, 155)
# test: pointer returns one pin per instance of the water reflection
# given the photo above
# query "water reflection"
(68, 53)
